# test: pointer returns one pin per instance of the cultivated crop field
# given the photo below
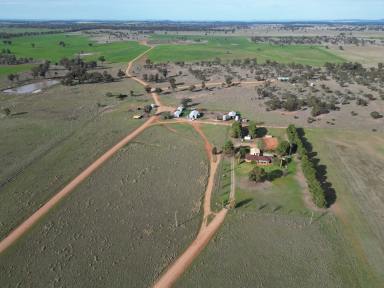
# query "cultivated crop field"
(47, 48)
(53, 135)
(354, 161)
(209, 47)
(118, 227)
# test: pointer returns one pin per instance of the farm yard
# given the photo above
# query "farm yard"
(121, 219)
(243, 99)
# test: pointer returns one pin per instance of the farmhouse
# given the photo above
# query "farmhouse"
(259, 160)
(194, 115)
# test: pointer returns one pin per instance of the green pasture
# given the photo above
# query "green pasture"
(46, 47)
(195, 48)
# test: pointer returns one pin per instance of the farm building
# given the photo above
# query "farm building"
(232, 114)
(194, 115)
(259, 160)
(178, 112)
(283, 79)
(255, 151)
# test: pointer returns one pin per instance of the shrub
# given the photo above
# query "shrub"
(376, 115)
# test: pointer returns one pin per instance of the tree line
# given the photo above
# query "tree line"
(309, 170)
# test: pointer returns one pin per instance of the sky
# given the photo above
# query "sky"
(199, 10)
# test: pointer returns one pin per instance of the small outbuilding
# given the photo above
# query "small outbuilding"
(177, 114)
(232, 114)
(194, 115)
(255, 151)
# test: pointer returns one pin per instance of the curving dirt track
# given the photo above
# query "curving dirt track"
(207, 231)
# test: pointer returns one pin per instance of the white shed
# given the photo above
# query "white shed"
(194, 115)
(177, 114)
(232, 114)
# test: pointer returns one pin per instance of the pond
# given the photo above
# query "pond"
(32, 88)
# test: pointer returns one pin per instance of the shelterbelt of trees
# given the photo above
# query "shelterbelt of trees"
(309, 169)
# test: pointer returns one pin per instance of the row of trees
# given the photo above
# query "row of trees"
(309, 170)
(8, 58)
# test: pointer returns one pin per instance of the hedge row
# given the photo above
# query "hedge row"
(309, 170)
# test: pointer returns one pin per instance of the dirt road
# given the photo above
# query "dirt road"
(207, 231)
(186, 259)
(35, 217)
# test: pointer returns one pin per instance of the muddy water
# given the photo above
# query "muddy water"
(32, 88)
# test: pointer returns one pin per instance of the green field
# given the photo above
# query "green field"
(117, 229)
(7, 69)
(228, 48)
(47, 48)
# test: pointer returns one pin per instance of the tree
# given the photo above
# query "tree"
(252, 129)
(172, 81)
(261, 144)
(11, 77)
(236, 130)
(243, 152)
(120, 74)
(147, 108)
(376, 115)
(102, 59)
(33, 45)
(148, 89)
(203, 86)
(214, 150)
(228, 147)
(257, 174)
(283, 147)
(132, 93)
(185, 101)
(192, 87)
(7, 111)
(228, 80)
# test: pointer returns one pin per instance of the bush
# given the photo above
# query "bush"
(228, 147)
(257, 174)
(376, 115)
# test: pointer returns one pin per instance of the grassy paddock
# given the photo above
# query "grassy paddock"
(353, 162)
(258, 249)
(52, 136)
(120, 223)
(227, 48)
